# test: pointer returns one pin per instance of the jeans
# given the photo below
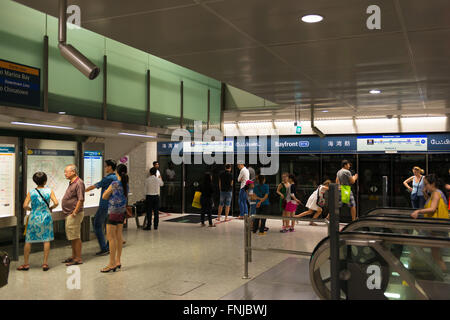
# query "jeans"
(418, 202)
(262, 210)
(252, 208)
(243, 207)
(152, 205)
(99, 222)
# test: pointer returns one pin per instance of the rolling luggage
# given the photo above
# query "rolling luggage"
(4, 268)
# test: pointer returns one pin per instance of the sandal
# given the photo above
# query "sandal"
(74, 263)
(45, 267)
(24, 267)
(108, 269)
(68, 260)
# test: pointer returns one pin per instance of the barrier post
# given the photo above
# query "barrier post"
(333, 231)
(385, 191)
(246, 254)
(249, 235)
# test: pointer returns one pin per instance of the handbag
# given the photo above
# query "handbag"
(196, 201)
(345, 193)
(117, 217)
(129, 212)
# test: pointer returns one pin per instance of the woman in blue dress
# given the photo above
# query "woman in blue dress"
(40, 222)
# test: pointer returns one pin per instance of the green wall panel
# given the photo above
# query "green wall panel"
(195, 102)
(215, 112)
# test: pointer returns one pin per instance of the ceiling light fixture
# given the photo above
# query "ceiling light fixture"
(136, 135)
(312, 18)
(375, 91)
(324, 110)
(62, 112)
(40, 125)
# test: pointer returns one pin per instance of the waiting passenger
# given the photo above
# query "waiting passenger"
(417, 196)
(447, 187)
(206, 199)
(226, 191)
(262, 206)
(316, 202)
(282, 190)
(244, 175)
(435, 207)
(117, 196)
(102, 212)
(345, 179)
(72, 206)
(291, 202)
(153, 186)
(39, 227)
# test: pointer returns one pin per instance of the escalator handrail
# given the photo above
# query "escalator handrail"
(402, 217)
(388, 208)
(394, 238)
(398, 224)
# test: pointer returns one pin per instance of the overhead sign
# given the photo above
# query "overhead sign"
(439, 142)
(7, 180)
(208, 146)
(392, 144)
(19, 84)
(298, 130)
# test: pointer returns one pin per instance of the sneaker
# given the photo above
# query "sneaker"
(102, 253)
(291, 230)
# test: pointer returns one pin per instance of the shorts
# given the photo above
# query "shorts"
(73, 226)
(352, 202)
(225, 198)
(291, 207)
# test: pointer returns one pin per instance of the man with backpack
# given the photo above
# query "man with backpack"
(345, 179)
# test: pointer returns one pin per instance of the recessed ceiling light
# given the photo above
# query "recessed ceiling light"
(62, 112)
(375, 91)
(312, 18)
(136, 135)
(324, 110)
(40, 125)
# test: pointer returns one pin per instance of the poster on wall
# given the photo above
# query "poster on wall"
(93, 173)
(7, 180)
(392, 143)
(53, 163)
(19, 84)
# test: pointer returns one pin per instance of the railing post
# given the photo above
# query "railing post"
(249, 235)
(385, 191)
(333, 231)
(245, 248)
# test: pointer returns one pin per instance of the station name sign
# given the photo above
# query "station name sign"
(19, 84)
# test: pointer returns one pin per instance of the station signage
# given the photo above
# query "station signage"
(19, 84)
(393, 143)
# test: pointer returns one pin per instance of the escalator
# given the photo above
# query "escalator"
(387, 257)
(388, 211)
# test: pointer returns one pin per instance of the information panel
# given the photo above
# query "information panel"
(7, 180)
(53, 163)
(19, 84)
(392, 143)
(93, 173)
(208, 146)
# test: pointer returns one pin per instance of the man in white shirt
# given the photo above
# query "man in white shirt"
(244, 175)
(156, 166)
(152, 188)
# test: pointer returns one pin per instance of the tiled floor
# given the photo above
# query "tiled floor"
(178, 261)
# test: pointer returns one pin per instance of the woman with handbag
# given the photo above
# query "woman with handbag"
(117, 194)
(282, 190)
(39, 225)
(417, 195)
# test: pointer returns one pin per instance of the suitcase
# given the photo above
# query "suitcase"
(4, 268)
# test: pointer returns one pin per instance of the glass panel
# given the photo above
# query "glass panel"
(402, 170)
(69, 90)
(127, 94)
(195, 104)
(165, 101)
(372, 168)
(215, 112)
(439, 164)
(172, 189)
(22, 33)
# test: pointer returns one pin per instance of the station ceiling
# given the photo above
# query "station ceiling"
(261, 46)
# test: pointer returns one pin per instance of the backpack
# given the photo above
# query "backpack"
(321, 198)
